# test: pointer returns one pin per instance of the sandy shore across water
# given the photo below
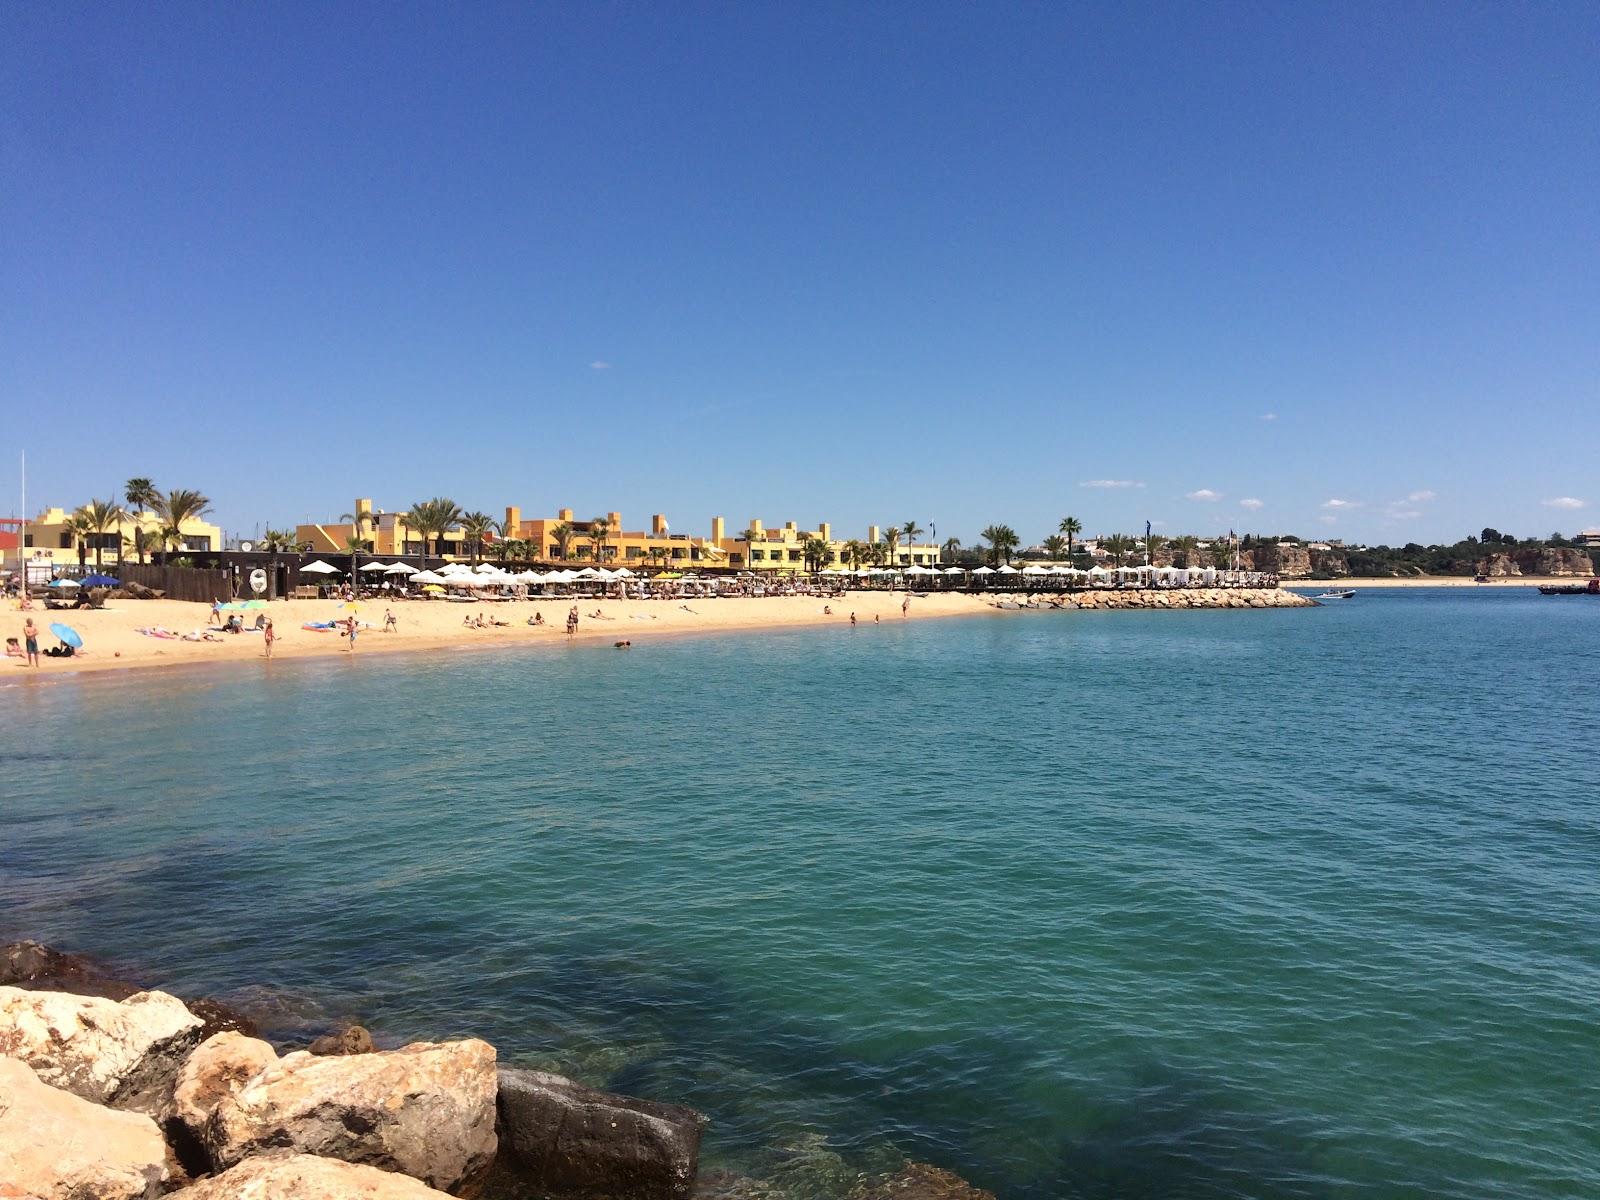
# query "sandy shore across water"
(112, 640)
(1430, 581)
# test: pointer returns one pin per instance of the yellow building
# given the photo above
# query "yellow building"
(47, 535)
(566, 538)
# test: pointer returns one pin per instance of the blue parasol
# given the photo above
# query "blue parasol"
(67, 634)
(99, 581)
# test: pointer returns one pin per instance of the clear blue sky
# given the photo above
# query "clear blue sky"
(802, 261)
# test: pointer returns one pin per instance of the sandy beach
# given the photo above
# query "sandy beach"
(112, 640)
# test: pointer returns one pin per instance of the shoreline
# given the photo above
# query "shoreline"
(1502, 583)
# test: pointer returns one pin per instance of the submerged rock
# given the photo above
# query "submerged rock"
(426, 1110)
(919, 1181)
(122, 1053)
(563, 1139)
(307, 1177)
(57, 1146)
(352, 1039)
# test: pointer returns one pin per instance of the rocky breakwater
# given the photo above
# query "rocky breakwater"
(127, 1099)
(1174, 598)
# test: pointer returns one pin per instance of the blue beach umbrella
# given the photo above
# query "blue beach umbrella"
(99, 581)
(67, 634)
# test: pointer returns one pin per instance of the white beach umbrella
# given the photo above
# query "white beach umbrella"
(984, 571)
(427, 577)
(955, 571)
(1098, 571)
(372, 566)
(319, 568)
(485, 568)
(919, 569)
(1008, 569)
(1036, 570)
(65, 583)
(622, 573)
(400, 568)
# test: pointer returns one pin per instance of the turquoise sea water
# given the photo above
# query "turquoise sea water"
(1216, 904)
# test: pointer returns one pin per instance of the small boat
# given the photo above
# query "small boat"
(1592, 588)
(1350, 595)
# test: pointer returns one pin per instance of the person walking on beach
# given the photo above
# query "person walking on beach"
(905, 606)
(389, 623)
(30, 641)
(268, 636)
(351, 627)
(572, 621)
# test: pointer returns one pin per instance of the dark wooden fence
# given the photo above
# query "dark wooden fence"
(180, 583)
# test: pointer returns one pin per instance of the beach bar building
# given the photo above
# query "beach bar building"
(49, 535)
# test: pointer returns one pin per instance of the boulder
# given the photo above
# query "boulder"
(426, 1110)
(218, 1068)
(41, 968)
(1498, 566)
(352, 1039)
(307, 1177)
(122, 1053)
(57, 1146)
(568, 1140)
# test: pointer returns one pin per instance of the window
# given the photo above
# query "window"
(677, 552)
(635, 551)
(755, 555)
(794, 556)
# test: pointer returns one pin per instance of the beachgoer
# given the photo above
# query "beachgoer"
(536, 619)
(13, 648)
(30, 640)
(877, 620)
(905, 607)
(268, 636)
(216, 613)
(466, 621)
(389, 623)
(351, 627)
(572, 621)
(827, 610)
(622, 645)
(852, 620)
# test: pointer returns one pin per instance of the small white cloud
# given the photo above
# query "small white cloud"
(1421, 497)
(599, 365)
(1568, 502)
(1204, 494)
(1251, 503)
(1337, 504)
(1269, 416)
(1111, 483)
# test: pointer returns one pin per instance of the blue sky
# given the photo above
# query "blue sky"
(866, 264)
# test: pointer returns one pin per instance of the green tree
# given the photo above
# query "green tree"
(817, 554)
(1071, 527)
(177, 508)
(276, 542)
(1054, 546)
(952, 547)
(855, 553)
(911, 531)
(1002, 541)
(751, 537)
(563, 533)
(475, 527)
(891, 543)
(433, 519)
(1118, 546)
(99, 517)
(1188, 546)
(599, 534)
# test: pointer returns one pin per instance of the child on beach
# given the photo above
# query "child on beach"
(572, 621)
(30, 642)
(268, 636)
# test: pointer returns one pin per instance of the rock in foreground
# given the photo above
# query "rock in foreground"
(427, 1110)
(567, 1140)
(122, 1053)
(306, 1177)
(919, 1181)
(57, 1146)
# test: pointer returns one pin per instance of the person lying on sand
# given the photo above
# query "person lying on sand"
(536, 619)
(687, 609)
(597, 615)
(498, 621)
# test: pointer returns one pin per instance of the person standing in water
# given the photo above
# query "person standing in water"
(268, 636)
(572, 621)
(30, 642)
(351, 626)
(852, 620)
(905, 606)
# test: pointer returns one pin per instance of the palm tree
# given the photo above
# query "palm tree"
(1117, 546)
(177, 508)
(1072, 527)
(508, 535)
(98, 517)
(76, 527)
(952, 547)
(599, 535)
(276, 542)
(855, 553)
(751, 537)
(142, 494)
(357, 542)
(911, 531)
(1002, 540)
(817, 554)
(563, 533)
(891, 542)
(433, 517)
(1187, 545)
(1152, 543)
(1054, 545)
(474, 527)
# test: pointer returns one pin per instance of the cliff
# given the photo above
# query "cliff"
(1537, 560)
